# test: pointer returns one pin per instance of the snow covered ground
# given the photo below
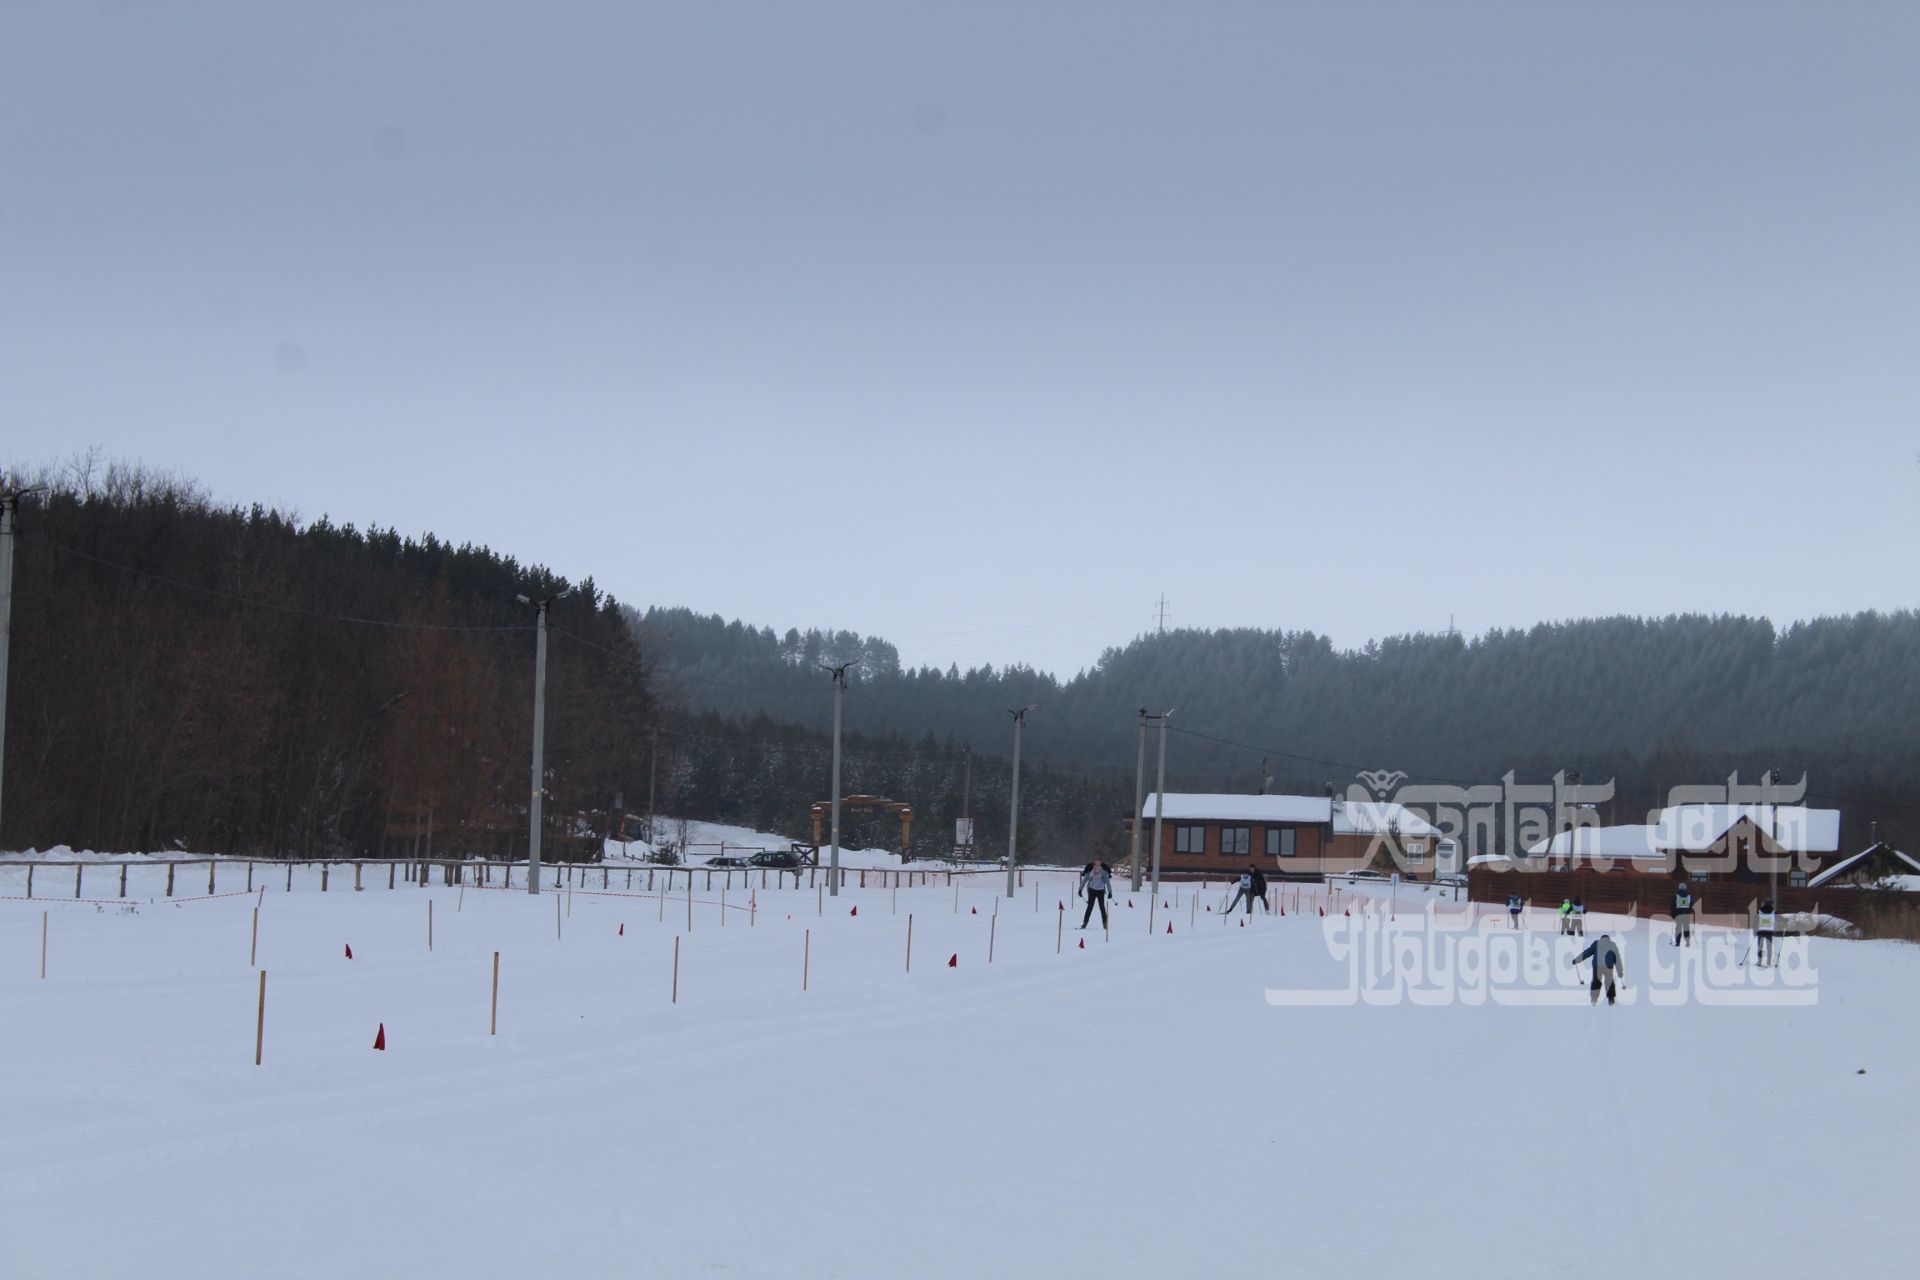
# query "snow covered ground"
(1302, 1095)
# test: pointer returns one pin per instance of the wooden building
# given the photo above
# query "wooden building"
(1220, 834)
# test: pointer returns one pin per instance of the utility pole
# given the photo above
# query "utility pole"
(1161, 612)
(1160, 797)
(1139, 799)
(539, 735)
(1013, 817)
(653, 773)
(9, 520)
(839, 693)
(966, 800)
(1767, 781)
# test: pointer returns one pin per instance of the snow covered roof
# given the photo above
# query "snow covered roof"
(1378, 817)
(1615, 843)
(1373, 817)
(1698, 827)
(1841, 867)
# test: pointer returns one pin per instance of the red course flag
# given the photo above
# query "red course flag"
(623, 928)
(1243, 924)
(1169, 926)
(1083, 944)
(349, 951)
(380, 1038)
(854, 912)
(953, 961)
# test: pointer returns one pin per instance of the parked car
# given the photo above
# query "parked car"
(775, 859)
(726, 860)
(1364, 875)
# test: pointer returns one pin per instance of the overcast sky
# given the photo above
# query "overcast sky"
(980, 326)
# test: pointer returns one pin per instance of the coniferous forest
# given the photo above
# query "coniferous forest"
(190, 675)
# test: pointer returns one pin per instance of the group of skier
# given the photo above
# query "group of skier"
(1096, 886)
(1609, 967)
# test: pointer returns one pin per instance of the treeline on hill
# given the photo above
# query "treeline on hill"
(1649, 703)
(192, 676)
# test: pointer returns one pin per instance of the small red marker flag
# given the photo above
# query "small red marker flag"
(974, 910)
(349, 951)
(953, 961)
(1169, 926)
(854, 912)
(1243, 924)
(1083, 944)
(380, 1038)
(623, 928)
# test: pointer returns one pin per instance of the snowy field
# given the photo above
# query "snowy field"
(1139, 1107)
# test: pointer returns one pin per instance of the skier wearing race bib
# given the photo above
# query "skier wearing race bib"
(1765, 930)
(1683, 915)
(1566, 915)
(1514, 904)
(1578, 920)
(1243, 889)
(1096, 878)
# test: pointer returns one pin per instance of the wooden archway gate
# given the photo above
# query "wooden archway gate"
(822, 809)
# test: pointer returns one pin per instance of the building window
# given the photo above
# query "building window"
(1189, 839)
(1236, 842)
(1416, 853)
(1797, 879)
(1280, 842)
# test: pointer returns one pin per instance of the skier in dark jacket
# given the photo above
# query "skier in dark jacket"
(1683, 915)
(1259, 891)
(1096, 878)
(1606, 963)
(1514, 904)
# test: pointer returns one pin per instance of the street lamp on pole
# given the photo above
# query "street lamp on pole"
(540, 608)
(839, 693)
(1139, 798)
(1013, 818)
(1160, 797)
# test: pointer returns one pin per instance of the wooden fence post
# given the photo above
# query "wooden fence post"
(289, 877)
(123, 879)
(43, 945)
(210, 869)
(260, 1021)
(992, 924)
(909, 942)
(253, 948)
(78, 867)
(806, 957)
(356, 876)
(249, 875)
(169, 880)
(676, 969)
(493, 1025)
(324, 869)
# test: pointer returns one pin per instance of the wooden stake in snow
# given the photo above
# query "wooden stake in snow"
(676, 962)
(806, 957)
(429, 924)
(260, 1021)
(1060, 930)
(909, 942)
(556, 916)
(461, 901)
(43, 944)
(993, 922)
(493, 1023)
(253, 949)
(689, 902)
(723, 908)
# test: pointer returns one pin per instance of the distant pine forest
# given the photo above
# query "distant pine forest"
(191, 675)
